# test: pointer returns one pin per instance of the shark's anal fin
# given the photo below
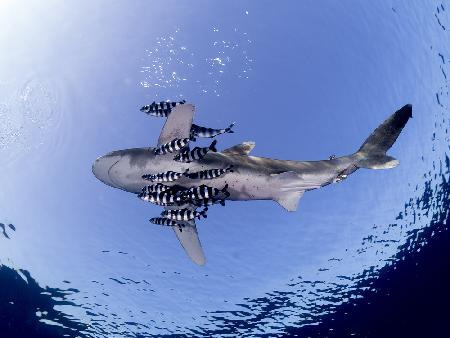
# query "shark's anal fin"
(288, 189)
(243, 148)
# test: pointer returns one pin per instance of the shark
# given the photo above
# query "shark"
(252, 177)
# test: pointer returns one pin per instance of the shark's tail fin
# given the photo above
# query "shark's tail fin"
(372, 154)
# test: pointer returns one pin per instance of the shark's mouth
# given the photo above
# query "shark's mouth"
(111, 177)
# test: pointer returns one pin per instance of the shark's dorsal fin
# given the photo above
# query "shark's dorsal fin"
(243, 148)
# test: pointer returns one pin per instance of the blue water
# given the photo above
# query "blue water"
(304, 81)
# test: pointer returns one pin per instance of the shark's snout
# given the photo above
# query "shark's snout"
(102, 166)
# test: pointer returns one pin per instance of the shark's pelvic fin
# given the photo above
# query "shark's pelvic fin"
(288, 189)
(372, 154)
(243, 148)
(289, 199)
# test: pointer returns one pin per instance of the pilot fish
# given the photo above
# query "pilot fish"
(203, 191)
(209, 174)
(184, 214)
(161, 198)
(164, 221)
(198, 131)
(162, 109)
(207, 202)
(168, 176)
(172, 146)
(197, 153)
(156, 188)
(167, 222)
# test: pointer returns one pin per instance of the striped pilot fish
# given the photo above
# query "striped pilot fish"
(172, 146)
(198, 131)
(161, 198)
(203, 191)
(207, 202)
(168, 176)
(158, 187)
(195, 154)
(210, 174)
(184, 214)
(165, 221)
(162, 109)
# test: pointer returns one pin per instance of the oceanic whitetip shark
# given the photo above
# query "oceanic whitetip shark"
(252, 178)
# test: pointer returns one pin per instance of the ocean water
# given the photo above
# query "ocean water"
(304, 80)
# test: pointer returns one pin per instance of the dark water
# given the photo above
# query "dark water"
(28, 310)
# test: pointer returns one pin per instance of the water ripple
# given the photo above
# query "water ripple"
(29, 115)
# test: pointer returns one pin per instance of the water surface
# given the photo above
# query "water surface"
(302, 80)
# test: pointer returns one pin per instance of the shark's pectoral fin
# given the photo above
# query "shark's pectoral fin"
(188, 237)
(289, 199)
